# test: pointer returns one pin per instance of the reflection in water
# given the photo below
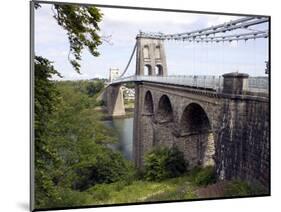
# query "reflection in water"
(124, 129)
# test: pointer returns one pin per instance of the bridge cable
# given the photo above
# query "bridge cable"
(129, 62)
(196, 35)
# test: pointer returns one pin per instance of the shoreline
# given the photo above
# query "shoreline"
(106, 117)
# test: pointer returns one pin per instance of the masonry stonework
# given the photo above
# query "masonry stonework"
(115, 101)
(231, 129)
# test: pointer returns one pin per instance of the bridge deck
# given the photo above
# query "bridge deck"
(255, 84)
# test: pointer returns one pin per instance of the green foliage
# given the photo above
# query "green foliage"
(241, 188)
(237, 188)
(67, 197)
(162, 163)
(94, 87)
(110, 167)
(78, 143)
(82, 26)
(79, 137)
(85, 90)
(203, 176)
(101, 103)
(142, 191)
(45, 104)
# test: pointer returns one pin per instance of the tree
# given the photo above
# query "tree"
(94, 87)
(71, 152)
(80, 142)
(81, 24)
(45, 103)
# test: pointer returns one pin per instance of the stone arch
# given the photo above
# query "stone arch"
(194, 120)
(197, 139)
(148, 103)
(163, 123)
(147, 70)
(164, 110)
(147, 123)
(159, 70)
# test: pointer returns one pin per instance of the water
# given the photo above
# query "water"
(124, 129)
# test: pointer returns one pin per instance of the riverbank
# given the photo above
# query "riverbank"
(105, 117)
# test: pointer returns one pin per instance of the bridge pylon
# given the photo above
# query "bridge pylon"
(151, 57)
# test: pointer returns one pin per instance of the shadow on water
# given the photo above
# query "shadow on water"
(124, 129)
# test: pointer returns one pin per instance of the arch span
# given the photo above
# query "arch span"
(164, 110)
(197, 136)
(194, 120)
(147, 125)
(148, 103)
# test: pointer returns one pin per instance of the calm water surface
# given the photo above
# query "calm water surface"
(124, 129)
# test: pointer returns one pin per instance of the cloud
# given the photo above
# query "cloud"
(220, 19)
(123, 25)
(46, 29)
(145, 16)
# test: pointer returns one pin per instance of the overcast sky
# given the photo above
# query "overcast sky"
(183, 58)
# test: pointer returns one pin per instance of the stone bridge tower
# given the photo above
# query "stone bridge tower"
(151, 58)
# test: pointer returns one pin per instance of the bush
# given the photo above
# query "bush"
(100, 192)
(95, 87)
(100, 103)
(65, 198)
(162, 163)
(110, 167)
(203, 176)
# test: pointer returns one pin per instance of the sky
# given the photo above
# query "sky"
(122, 25)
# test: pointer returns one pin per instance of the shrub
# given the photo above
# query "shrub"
(100, 103)
(162, 163)
(203, 176)
(100, 192)
(65, 198)
(95, 87)
(110, 167)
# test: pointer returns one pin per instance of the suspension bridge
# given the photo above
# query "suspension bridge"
(214, 120)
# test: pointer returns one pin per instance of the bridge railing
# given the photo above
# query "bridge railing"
(258, 84)
(255, 84)
(204, 82)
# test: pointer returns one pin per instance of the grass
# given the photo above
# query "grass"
(180, 188)
(202, 176)
(143, 191)
(241, 188)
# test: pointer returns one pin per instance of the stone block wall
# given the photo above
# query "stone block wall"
(115, 101)
(243, 150)
(238, 140)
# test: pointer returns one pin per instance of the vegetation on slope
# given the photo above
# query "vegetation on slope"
(71, 151)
